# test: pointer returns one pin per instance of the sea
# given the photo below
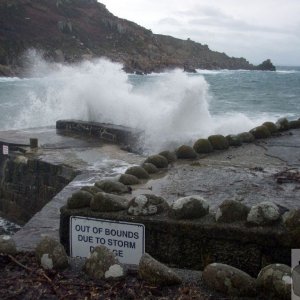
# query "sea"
(172, 107)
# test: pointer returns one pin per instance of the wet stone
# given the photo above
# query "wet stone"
(282, 124)
(218, 142)
(138, 172)
(260, 132)
(186, 152)
(271, 127)
(246, 137)
(264, 213)
(232, 211)
(105, 202)
(203, 146)
(170, 156)
(234, 140)
(110, 186)
(128, 179)
(291, 221)
(7, 245)
(158, 160)
(79, 199)
(91, 189)
(150, 168)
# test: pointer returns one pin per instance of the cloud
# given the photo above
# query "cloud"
(169, 21)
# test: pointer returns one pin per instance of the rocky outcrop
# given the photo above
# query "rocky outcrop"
(266, 66)
(73, 30)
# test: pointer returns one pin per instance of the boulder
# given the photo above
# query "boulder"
(274, 281)
(128, 179)
(79, 199)
(91, 189)
(106, 202)
(218, 142)
(260, 132)
(138, 172)
(7, 245)
(51, 254)
(246, 137)
(203, 146)
(158, 161)
(111, 186)
(229, 281)
(102, 263)
(264, 213)
(282, 124)
(233, 140)
(232, 211)
(294, 124)
(189, 207)
(291, 221)
(170, 156)
(150, 168)
(186, 152)
(156, 273)
(145, 205)
(271, 127)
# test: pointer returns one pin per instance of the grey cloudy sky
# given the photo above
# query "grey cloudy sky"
(254, 29)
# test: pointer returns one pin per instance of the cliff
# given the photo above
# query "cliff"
(72, 30)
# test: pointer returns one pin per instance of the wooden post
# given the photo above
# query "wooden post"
(33, 142)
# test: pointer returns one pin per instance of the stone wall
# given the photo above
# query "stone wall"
(196, 243)
(27, 184)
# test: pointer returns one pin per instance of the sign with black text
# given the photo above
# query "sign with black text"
(126, 240)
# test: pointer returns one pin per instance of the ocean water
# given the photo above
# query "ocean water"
(172, 107)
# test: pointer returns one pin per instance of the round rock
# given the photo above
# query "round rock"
(218, 142)
(91, 189)
(170, 156)
(186, 152)
(232, 211)
(260, 132)
(229, 280)
(51, 254)
(294, 124)
(7, 245)
(246, 137)
(203, 146)
(264, 213)
(158, 161)
(282, 124)
(145, 205)
(189, 207)
(111, 186)
(128, 179)
(271, 127)
(105, 202)
(233, 140)
(291, 221)
(156, 273)
(80, 199)
(274, 281)
(138, 172)
(150, 168)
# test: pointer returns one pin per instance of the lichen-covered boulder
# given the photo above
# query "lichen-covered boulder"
(233, 140)
(186, 152)
(156, 273)
(138, 172)
(111, 186)
(282, 124)
(218, 142)
(102, 263)
(189, 207)
(291, 221)
(170, 156)
(264, 213)
(158, 161)
(229, 281)
(203, 146)
(274, 281)
(91, 189)
(294, 124)
(7, 245)
(232, 211)
(260, 132)
(271, 127)
(150, 168)
(246, 137)
(147, 204)
(51, 254)
(106, 202)
(79, 199)
(128, 179)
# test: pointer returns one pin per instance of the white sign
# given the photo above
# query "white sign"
(5, 150)
(126, 240)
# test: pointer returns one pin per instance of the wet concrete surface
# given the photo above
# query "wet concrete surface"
(246, 173)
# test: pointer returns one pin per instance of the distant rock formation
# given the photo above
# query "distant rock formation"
(266, 66)
(73, 30)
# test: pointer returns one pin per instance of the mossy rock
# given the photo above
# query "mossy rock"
(150, 168)
(105, 202)
(246, 137)
(91, 189)
(233, 140)
(110, 186)
(271, 127)
(294, 124)
(170, 156)
(186, 152)
(283, 124)
(292, 224)
(218, 142)
(261, 132)
(7, 245)
(232, 211)
(79, 199)
(203, 146)
(129, 179)
(138, 172)
(157, 160)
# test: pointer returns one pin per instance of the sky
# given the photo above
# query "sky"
(254, 29)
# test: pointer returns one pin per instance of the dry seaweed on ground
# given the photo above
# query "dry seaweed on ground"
(288, 176)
